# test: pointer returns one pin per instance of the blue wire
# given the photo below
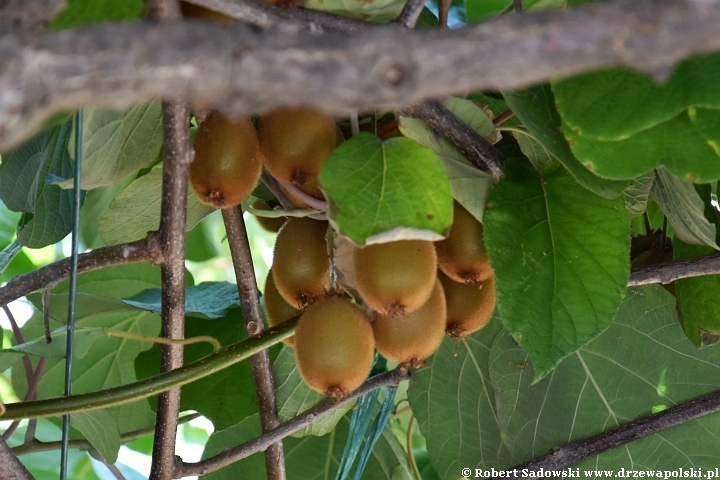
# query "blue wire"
(73, 285)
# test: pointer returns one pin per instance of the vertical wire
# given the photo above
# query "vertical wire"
(71, 300)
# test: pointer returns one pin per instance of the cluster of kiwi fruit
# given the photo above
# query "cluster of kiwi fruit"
(408, 293)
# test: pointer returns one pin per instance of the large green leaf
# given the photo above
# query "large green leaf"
(81, 12)
(308, 458)
(536, 108)
(97, 202)
(226, 397)
(119, 281)
(637, 193)
(469, 185)
(117, 143)
(561, 257)
(294, 396)
(47, 208)
(100, 430)
(640, 365)
(136, 210)
(616, 104)
(378, 185)
(454, 402)
(684, 209)
(677, 144)
(108, 362)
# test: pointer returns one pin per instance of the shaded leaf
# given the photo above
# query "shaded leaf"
(640, 365)
(375, 186)
(136, 210)
(536, 108)
(466, 434)
(637, 193)
(100, 429)
(561, 257)
(208, 299)
(684, 208)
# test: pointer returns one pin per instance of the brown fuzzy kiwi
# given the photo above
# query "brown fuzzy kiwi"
(462, 255)
(469, 307)
(395, 278)
(334, 346)
(276, 308)
(411, 338)
(294, 144)
(270, 224)
(227, 165)
(301, 268)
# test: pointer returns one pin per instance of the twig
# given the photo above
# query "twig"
(258, 444)
(124, 394)
(311, 201)
(252, 315)
(146, 250)
(243, 71)
(559, 458)
(35, 446)
(671, 271)
(503, 117)
(410, 13)
(478, 150)
(443, 9)
(10, 466)
(264, 15)
(518, 6)
(114, 470)
(176, 164)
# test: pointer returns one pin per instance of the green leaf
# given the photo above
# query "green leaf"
(8, 223)
(136, 210)
(698, 297)
(379, 11)
(684, 208)
(83, 339)
(707, 122)
(206, 300)
(677, 144)
(616, 104)
(468, 434)
(8, 253)
(108, 362)
(81, 12)
(640, 365)
(226, 397)
(97, 202)
(379, 185)
(470, 186)
(117, 143)
(561, 256)
(100, 429)
(200, 244)
(308, 457)
(637, 193)
(23, 186)
(536, 108)
(294, 396)
(119, 281)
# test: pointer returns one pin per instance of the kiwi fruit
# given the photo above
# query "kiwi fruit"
(334, 346)
(301, 269)
(227, 166)
(469, 306)
(270, 224)
(294, 144)
(411, 338)
(276, 308)
(462, 255)
(395, 278)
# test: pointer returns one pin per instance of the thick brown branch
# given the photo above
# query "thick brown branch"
(671, 271)
(176, 164)
(559, 458)
(10, 466)
(478, 150)
(244, 71)
(250, 301)
(146, 250)
(258, 444)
